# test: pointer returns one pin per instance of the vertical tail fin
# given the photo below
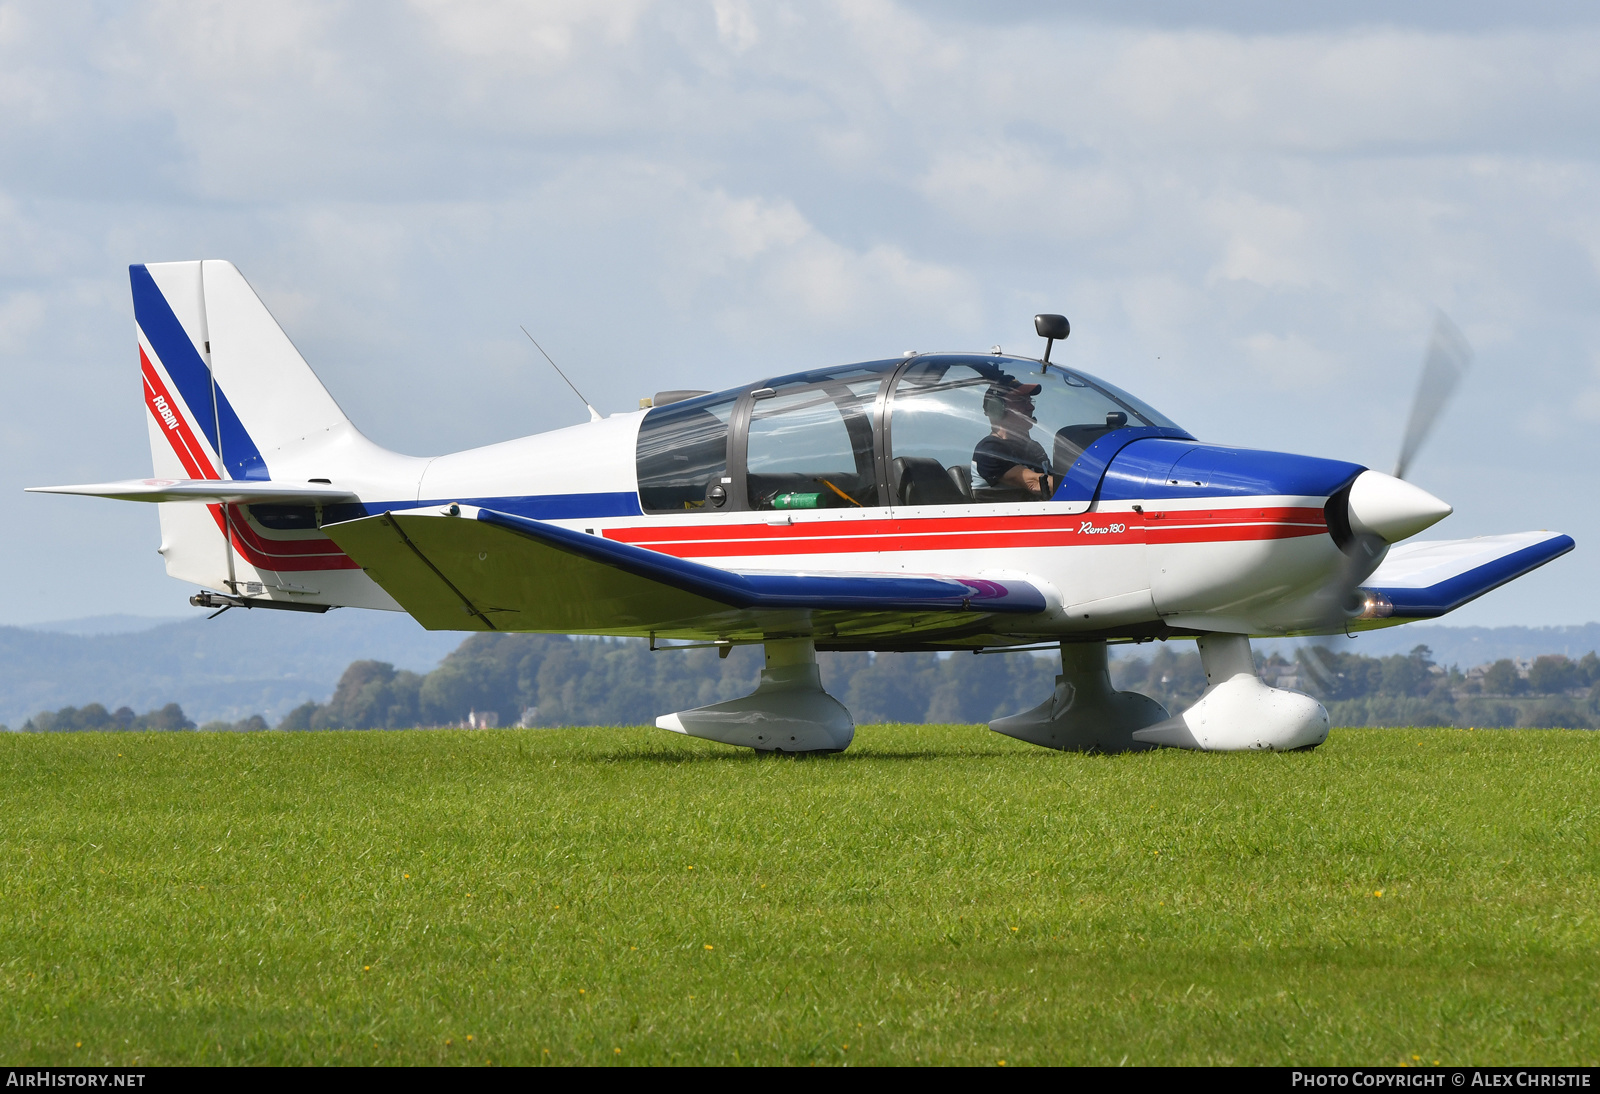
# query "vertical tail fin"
(223, 382)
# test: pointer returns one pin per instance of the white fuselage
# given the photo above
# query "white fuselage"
(1227, 563)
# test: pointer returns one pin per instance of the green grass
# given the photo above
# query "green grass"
(935, 895)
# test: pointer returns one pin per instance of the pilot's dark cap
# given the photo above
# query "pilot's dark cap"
(1009, 385)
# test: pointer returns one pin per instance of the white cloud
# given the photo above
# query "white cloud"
(1287, 362)
(21, 314)
(1366, 89)
(762, 267)
(736, 24)
(1013, 188)
(747, 227)
(1262, 243)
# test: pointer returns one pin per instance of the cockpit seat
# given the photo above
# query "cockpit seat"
(962, 477)
(920, 480)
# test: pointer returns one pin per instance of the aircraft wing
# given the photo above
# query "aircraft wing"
(486, 570)
(231, 491)
(1425, 580)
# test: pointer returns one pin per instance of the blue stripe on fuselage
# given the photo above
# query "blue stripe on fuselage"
(1157, 468)
(241, 458)
(620, 503)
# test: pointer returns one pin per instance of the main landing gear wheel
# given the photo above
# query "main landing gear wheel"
(1086, 714)
(788, 711)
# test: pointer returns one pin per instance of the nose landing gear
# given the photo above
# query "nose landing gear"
(1238, 712)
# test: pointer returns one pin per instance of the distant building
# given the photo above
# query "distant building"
(481, 719)
(1523, 665)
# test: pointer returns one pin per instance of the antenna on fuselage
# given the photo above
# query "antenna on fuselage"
(1051, 328)
(594, 415)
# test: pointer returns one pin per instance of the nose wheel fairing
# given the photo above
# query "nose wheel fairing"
(1237, 712)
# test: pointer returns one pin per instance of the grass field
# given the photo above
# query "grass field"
(935, 895)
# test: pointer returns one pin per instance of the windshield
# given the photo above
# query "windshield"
(976, 429)
(1138, 407)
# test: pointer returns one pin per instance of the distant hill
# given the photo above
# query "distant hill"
(109, 624)
(228, 668)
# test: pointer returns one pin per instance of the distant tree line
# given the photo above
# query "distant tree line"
(1398, 690)
(552, 680)
(1410, 689)
(545, 680)
(96, 716)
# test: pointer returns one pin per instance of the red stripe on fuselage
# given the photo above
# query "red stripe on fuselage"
(286, 554)
(977, 533)
(279, 555)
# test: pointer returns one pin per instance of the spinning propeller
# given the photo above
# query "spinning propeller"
(1376, 510)
(1442, 370)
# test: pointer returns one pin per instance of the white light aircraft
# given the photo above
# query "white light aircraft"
(959, 502)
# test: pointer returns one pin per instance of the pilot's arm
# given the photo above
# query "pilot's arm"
(1026, 478)
(994, 466)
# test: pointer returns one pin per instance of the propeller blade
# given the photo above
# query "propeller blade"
(1442, 369)
(1375, 510)
(1341, 602)
(1315, 659)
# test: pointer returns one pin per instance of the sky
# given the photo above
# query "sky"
(1250, 215)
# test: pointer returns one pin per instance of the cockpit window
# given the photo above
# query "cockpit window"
(1138, 407)
(866, 370)
(810, 447)
(976, 431)
(683, 455)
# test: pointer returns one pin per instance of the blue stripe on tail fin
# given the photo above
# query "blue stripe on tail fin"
(192, 378)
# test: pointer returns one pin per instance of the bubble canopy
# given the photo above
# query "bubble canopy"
(925, 430)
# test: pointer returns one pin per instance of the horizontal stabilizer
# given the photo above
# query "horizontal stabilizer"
(1427, 579)
(232, 491)
(501, 572)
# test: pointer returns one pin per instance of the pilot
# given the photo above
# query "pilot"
(1009, 456)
